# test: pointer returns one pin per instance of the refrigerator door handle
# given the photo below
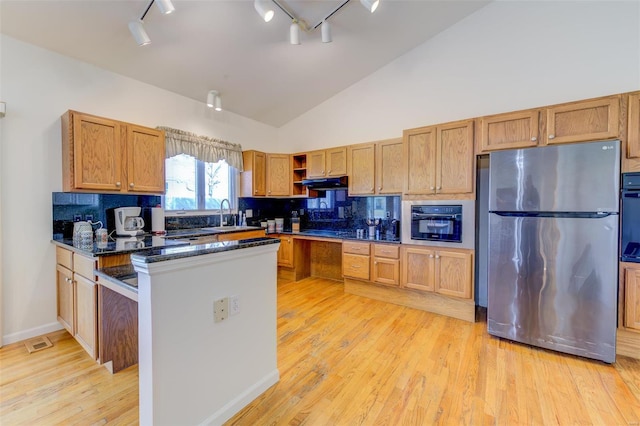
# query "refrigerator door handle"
(579, 215)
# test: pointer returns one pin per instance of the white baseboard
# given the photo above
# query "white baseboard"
(32, 332)
(242, 400)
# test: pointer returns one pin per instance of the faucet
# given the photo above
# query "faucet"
(325, 205)
(222, 211)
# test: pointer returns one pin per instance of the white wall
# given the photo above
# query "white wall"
(507, 56)
(38, 87)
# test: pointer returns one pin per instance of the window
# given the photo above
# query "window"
(198, 186)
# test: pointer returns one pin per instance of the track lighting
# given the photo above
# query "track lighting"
(326, 32)
(264, 9)
(138, 32)
(165, 6)
(294, 33)
(136, 27)
(370, 5)
(214, 100)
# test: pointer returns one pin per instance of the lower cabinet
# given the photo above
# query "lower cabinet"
(445, 271)
(77, 300)
(285, 252)
(355, 260)
(385, 267)
(632, 297)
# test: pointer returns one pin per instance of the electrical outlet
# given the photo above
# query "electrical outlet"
(88, 217)
(234, 305)
(248, 213)
(220, 309)
(77, 217)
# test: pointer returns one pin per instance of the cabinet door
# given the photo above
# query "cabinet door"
(509, 131)
(316, 164)
(583, 121)
(336, 161)
(253, 177)
(145, 159)
(386, 271)
(418, 268)
(97, 153)
(278, 175)
(633, 138)
(453, 273)
(86, 332)
(389, 176)
(355, 266)
(285, 252)
(362, 169)
(632, 298)
(419, 157)
(66, 298)
(243, 235)
(455, 158)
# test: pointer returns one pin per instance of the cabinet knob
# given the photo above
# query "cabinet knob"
(255, 192)
(371, 189)
(118, 184)
(433, 187)
(439, 188)
(437, 257)
(533, 139)
(375, 263)
(379, 188)
(430, 256)
(552, 136)
(131, 185)
(329, 172)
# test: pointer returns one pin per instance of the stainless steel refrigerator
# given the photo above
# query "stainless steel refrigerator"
(553, 247)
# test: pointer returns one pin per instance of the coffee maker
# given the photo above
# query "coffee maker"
(128, 221)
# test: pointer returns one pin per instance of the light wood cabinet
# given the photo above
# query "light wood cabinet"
(327, 162)
(583, 121)
(285, 251)
(509, 131)
(243, 235)
(439, 159)
(388, 172)
(77, 298)
(632, 297)
(356, 260)
(278, 175)
(104, 155)
(445, 271)
(385, 267)
(253, 181)
(361, 169)
(375, 168)
(633, 136)
(298, 174)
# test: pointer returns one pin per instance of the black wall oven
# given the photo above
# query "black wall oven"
(630, 226)
(439, 223)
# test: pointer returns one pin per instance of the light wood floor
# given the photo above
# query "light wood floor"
(347, 360)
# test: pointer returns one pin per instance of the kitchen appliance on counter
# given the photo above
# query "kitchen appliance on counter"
(129, 243)
(553, 232)
(440, 223)
(630, 221)
(128, 221)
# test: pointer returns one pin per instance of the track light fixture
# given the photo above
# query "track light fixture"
(264, 9)
(298, 23)
(214, 101)
(370, 5)
(137, 28)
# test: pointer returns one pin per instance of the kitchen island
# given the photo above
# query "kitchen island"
(194, 367)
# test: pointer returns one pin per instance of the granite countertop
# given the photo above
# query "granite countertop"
(171, 253)
(123, 276)
(340, 234)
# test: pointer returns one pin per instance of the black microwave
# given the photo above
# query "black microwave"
(436, 223)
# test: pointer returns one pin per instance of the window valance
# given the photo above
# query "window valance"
(203, 148)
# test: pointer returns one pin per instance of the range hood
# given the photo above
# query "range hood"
(323, 184)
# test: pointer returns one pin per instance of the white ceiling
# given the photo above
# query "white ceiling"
(224, 45)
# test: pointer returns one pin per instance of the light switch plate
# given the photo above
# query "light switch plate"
(248, 213)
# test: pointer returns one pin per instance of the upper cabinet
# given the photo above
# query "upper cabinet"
(439, 159)
(327, 163)
(278, 175)
(375, 168)
(253, 181)
(584, 121)
(509, 131)
(633, 137)
(103, 155)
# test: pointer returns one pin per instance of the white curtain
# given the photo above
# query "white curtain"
(203, 148)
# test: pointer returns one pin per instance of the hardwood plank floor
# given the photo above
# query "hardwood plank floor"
(348, 360)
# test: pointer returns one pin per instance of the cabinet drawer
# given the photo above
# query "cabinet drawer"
(355, 266)
(355, 248)
(64, 257)
(383, 250)
(84, 266)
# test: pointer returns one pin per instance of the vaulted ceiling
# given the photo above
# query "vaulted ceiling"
(224, 45)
